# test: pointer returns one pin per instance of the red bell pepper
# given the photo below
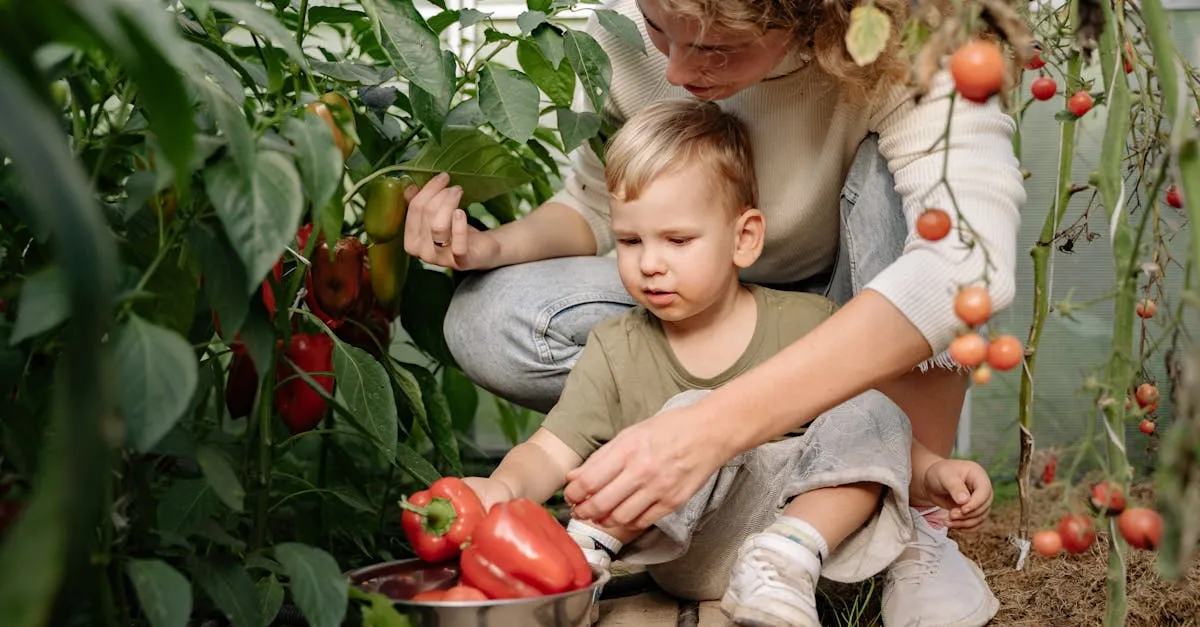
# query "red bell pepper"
(439, 520)
(519, 550)
(300, 406)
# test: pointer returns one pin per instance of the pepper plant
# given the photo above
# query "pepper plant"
(202, 416)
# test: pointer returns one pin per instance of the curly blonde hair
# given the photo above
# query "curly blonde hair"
(819, 23)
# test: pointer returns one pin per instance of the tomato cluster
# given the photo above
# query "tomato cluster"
(1140, 526)
(973, 306)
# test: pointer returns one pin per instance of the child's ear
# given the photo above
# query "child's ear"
(749, 234)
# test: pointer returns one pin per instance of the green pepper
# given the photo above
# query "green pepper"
(384, 216)
(389, 271)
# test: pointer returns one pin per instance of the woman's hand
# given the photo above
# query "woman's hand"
(436, 229)
(648, 471)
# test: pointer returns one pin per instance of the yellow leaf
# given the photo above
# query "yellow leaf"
(868, 34)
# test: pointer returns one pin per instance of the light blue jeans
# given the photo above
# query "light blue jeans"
(517, 330)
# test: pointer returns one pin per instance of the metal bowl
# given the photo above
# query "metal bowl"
(401, 580)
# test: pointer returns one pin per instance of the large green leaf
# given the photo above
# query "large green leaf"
(318, 585)
(416, 466)
(529, 20)
(262, 23)
(367, 391)
(171, 289)
(576, 127)
(184, 505)
(351, 72)
(475, 161)
(509, 100)
(232, 122)
(148, 46)
(558, 84)
(230, 587)
(270, 593)
(164, 594)
(592, 65)
(431, 109)
(623, 28)
(218, 471)
(440, 423)
(224, 276)
(410, 391)
(158, 375)
(261, 213)
(423, 308)
(551, 42)
(462, 397)
(318, 156)
(43, 305)
(410, 45)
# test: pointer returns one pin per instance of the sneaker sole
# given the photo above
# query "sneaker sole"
(750, 617)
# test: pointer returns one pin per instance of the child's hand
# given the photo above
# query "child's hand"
(961, 487)
(490, 491)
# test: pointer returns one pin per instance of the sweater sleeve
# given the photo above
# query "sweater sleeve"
(984, 175)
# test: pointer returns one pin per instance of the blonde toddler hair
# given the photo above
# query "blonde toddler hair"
(672, 134)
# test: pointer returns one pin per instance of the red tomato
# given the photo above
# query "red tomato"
(933, 224)
(1036, 62)
(1146, 308)
(1146, 426)
(1047, 542)
(1043, 88)
(973, 305)
(1141, 527)
(969, 349)
(978, 70)
(1080, 103)
(1077, 532)
(1005, 353)
(1173, 197)
(1049, 471)
(1147, 394)
(1128, 57)
(1107, 498)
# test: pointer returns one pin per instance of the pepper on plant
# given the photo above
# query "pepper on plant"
(440, 519)
(300, 406)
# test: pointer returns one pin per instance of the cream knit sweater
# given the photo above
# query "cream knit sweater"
(805, 134)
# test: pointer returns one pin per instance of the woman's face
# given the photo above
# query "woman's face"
(716, 64)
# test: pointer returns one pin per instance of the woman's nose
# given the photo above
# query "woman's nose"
(681, 66)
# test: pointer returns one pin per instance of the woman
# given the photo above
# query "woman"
(846, 159)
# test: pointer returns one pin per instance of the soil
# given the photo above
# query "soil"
(1065, 590)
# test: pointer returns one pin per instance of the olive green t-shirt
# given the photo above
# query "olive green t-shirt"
(627, 370)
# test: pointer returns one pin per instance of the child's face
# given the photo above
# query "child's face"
(678, 248)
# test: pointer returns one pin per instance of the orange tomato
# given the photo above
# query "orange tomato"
(1146, 308)
(1047, 542)
(969, 349)
(1141, 527)
(1147, 394)
(1005, 352)
(978, 70)
(981, 375)
(1146, 426)
(1077, 532)
(933, 224)
(973, 305)
(1080, 103)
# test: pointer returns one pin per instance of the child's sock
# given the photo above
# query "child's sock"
(601, 540)
(801, 533)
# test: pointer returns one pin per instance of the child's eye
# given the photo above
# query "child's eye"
(680, 241)
(629, 241)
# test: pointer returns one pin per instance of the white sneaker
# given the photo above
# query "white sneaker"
(932, 584)
(595, 554)
(773, 584)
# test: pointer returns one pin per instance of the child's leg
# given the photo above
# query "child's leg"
(831, 514)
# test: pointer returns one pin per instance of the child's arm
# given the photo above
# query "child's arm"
(535, 469)
(961, 487)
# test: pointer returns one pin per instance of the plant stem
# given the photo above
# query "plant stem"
(265, 397)
(1041, 289)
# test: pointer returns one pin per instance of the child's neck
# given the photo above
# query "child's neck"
(711, 341)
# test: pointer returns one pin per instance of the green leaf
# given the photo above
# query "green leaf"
(171, 290)
(440, 424)
(43, 304)
(270, 593)
(551, 43)
(318, 156)
(475, 161)
(431, 109)
(164, 595)
(462, 397)
(232, 122)
(212, 67)
(317, 584)
(158, 374)
(185, 505)
(364, 385)
(592, 65)
(334, 15)
(218, 470)
(261, 213)
(410, 390)
(867, 37)
(199, 7)
(623, 28)
(471, 17)
(379, 611)
(539, 5)
(423, 308)
(530, 20)
(576, 127)
(408, 42)
(416, 466)
(558, 84)
(443, 20)
(224, 276)
(148, 46)
(509, 100)
(351, 72)
(262, 23)
(231, 589)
